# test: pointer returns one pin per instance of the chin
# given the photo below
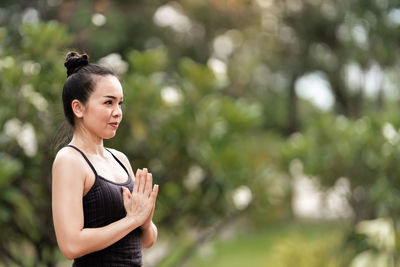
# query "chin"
(109, 135)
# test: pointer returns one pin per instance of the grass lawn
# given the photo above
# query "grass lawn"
(272, 245)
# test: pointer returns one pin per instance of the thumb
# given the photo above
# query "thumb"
(126, 195)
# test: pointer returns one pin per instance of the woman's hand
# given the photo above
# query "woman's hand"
(149, 219)
(140, 204)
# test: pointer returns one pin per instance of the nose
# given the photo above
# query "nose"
(117, 111)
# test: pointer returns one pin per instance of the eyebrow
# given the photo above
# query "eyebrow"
(111, 96)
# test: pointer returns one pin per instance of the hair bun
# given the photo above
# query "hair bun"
(73, 62)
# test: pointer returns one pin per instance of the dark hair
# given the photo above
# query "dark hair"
(80, 81)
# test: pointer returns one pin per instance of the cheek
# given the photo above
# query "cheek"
(99, 112)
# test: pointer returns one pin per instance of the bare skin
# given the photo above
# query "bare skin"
(72, 177)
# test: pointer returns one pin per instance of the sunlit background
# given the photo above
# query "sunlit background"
(272, 127)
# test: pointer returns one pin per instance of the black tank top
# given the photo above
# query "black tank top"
(102, 205)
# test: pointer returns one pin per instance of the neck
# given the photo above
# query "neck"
(87, 141)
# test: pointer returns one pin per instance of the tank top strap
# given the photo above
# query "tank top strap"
(120, 163)
(84, 156)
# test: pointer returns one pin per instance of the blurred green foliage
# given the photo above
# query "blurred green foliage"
(212, 108)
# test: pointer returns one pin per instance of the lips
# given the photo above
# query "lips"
(114, 124)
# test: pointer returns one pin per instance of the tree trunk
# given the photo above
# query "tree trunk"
(379, 99)
(293, 123)
(341, 98)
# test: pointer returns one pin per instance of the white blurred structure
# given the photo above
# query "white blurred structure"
(115, 63)
(172, 15)
(171, 95)
(195, 176)
(23, 133)
(99, 19)
(382, 236)
(242, 197)
(311, 202)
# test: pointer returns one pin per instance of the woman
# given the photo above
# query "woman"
(102, 213)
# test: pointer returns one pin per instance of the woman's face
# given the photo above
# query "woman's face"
(102, 113)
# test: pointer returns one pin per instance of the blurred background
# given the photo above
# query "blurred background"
(272, 127)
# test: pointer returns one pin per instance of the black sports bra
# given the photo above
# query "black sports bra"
(102, 205)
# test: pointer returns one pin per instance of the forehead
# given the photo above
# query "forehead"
(107, 85)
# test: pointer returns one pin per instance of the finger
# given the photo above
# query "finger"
(143, 181)
(137, 180)
(154, 193)
(126, 195)
(149, 183)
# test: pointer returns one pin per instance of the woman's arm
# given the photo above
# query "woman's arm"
(68, 178)
(149, 235)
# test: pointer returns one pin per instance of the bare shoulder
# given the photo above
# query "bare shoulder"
(123, 158)
(68, 160)
(67, 155)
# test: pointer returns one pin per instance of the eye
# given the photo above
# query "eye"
(120, 103)
(108, 102)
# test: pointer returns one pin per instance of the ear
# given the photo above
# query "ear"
(78, 108)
